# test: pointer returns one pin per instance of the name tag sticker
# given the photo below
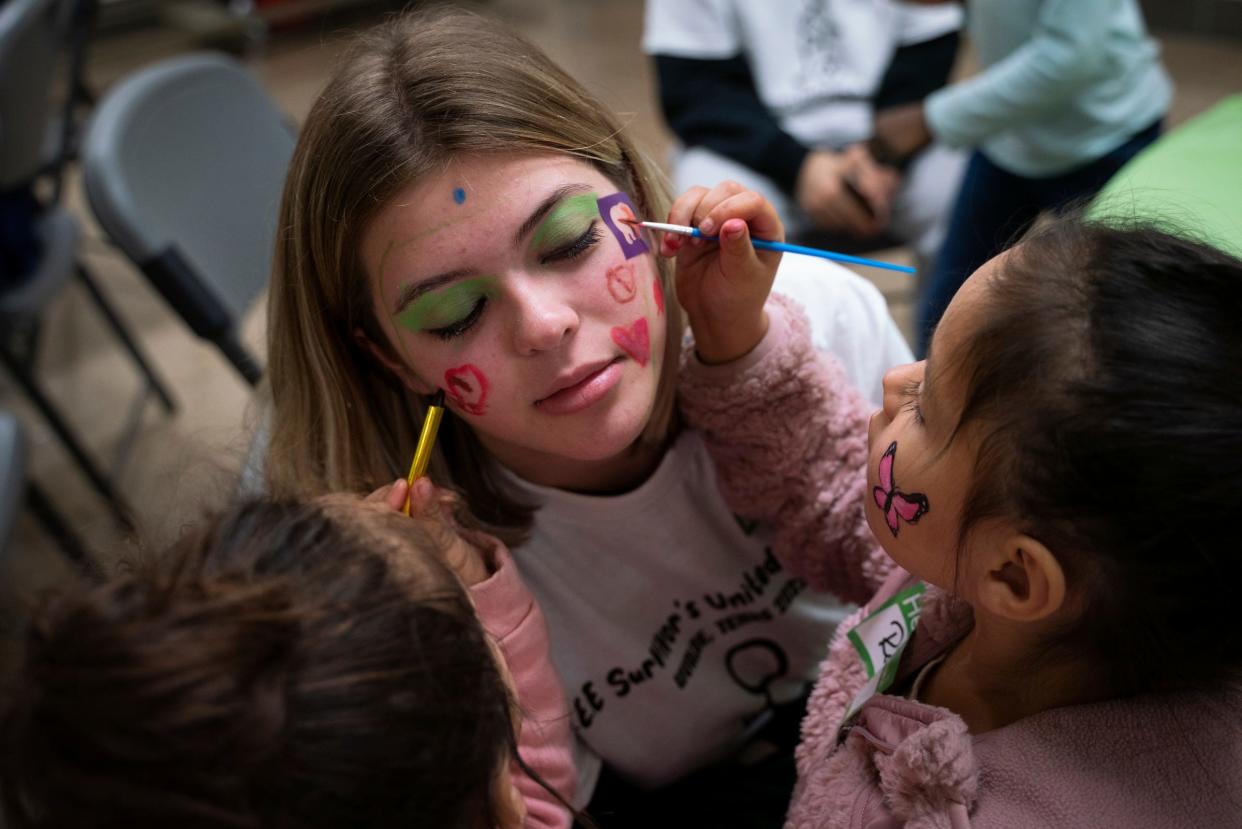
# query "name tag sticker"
(880, 640)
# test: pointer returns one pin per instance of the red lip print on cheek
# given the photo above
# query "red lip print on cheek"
(658, 293)
(467, 387)
(634, 340)
(621, 282)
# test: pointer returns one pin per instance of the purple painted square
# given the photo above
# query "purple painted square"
(612, 209)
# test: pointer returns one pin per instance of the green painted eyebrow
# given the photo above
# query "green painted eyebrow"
(442, 308)
(566, 221)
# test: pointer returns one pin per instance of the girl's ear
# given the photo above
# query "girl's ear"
(1025, 582)
(403, 372)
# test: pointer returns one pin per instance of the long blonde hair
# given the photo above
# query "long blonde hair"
(413, 94)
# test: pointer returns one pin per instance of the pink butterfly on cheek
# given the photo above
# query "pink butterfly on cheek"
(894, 503)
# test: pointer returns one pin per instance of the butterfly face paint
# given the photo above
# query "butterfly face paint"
(617, 212)
(895, 504)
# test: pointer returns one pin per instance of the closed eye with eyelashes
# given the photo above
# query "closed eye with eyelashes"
(453, 311)
(575, 248)
(911, 391)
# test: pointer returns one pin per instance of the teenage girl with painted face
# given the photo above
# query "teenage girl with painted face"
(322, 663)
(1058, 484)
(455, 219)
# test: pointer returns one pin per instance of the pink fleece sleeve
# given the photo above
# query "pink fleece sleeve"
(788, 434)
(509, 613)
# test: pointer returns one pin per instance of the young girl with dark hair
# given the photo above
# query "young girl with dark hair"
(313, 664)
(1051, 642)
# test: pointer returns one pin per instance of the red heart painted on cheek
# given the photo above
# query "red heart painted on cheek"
(467, 387)
(634, 340)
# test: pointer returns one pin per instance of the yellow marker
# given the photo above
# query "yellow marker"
(426, 440)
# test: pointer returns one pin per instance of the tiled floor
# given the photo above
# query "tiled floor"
(184, 464)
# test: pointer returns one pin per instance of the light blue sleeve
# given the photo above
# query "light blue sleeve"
(1063, 53)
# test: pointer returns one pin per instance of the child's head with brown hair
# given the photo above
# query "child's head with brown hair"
(446, 224)
(294, 664)
(1068, 458)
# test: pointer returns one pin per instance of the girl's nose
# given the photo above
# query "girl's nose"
(546, 316)
(896, 381)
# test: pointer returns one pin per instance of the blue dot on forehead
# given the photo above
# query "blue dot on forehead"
(459, 195)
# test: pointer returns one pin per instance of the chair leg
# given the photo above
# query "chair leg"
(56, 526)
(105, 308)
(117, 504)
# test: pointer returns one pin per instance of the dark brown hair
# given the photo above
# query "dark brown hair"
(1104, 383)
(273, 670)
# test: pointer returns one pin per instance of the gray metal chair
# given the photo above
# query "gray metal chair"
(16, 490)
(12, 476)
(33, 40)
(183, 163)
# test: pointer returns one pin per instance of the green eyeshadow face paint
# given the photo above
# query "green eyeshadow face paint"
(566, 222)
(442, 308)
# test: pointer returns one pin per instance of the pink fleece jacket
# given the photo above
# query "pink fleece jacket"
(509, 613)
(788, 434)
(1170, 760)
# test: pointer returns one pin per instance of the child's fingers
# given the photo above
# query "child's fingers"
(682, 211)
(711, 200)
(670, 243)
(380, 494)
(423, 497)
(392, 495)
(396, 495)
(752, 208)
(735, 241)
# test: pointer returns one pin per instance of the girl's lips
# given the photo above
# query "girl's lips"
(586, 392)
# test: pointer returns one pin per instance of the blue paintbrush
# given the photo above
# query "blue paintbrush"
(783, 247)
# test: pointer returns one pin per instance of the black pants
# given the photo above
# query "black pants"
(730, 794)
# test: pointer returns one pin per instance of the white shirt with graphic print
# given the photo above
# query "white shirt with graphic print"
(816, 63)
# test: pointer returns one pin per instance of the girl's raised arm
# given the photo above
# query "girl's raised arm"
(788, 434)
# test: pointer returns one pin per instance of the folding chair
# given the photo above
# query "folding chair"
(183, 163)
(16, 489)
(32, 40)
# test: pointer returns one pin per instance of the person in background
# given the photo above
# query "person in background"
(1066, 94)
(780, 97)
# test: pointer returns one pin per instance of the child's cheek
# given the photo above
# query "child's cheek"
(899, 507)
